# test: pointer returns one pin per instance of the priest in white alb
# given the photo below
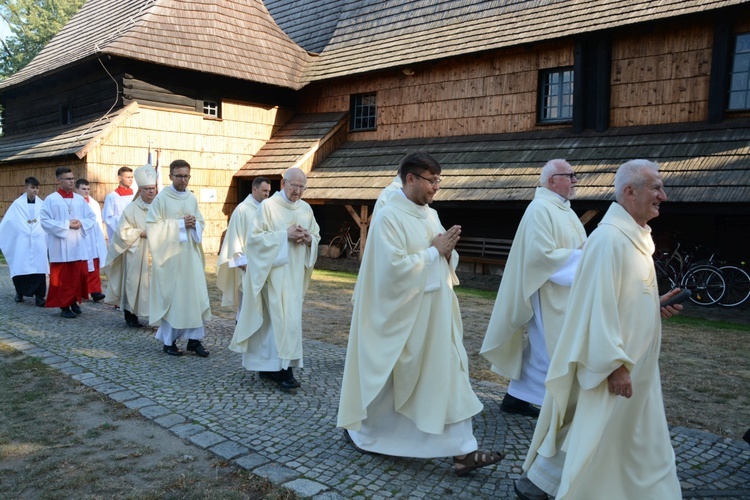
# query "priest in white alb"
(128, 263)
(281, 252)
(530, 304)
(602, 431)
(24, 244)
(67, 219)
(178, 299)
(116, 201)
(406, 389)
(230, 267)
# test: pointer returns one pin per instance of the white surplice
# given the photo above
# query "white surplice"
(22, 239)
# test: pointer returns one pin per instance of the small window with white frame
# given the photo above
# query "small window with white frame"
(212, 109)
(363, 112)
(556, 95)
(739, 86)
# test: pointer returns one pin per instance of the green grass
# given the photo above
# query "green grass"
(707, 323)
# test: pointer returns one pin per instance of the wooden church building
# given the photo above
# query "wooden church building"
(343, 89)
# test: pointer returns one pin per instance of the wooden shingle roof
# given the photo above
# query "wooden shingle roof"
(54, 142)
(235, 39)
(295, 144)
(699, 163)
(373, 34)
(310, 24)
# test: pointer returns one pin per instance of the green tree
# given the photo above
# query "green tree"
(32, 24)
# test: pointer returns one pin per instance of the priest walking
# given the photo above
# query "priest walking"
(602, 432)
(24, 244)
(232, 261)
(178, 296)
(281, 253)
(534, 290)
(406, 389)
(128, 263)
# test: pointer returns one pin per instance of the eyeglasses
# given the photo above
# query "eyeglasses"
(433, 182)
(181, 177)
(570, 176)
(295, 186)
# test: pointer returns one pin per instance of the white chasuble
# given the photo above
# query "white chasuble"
(613, 447)
(128, 263)
(178, 280)
(278, 274)
(548, 236)
(406, 332)
(22, 239)
(232, 254)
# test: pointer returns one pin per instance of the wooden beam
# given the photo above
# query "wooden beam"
(363, 221)
(590, 214)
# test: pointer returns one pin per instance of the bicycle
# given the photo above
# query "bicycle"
(675, 269)
(737, 281)
(343, 243)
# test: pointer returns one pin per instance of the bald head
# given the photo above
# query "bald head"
(294, 184)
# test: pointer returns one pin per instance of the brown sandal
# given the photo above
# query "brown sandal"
(475, 460)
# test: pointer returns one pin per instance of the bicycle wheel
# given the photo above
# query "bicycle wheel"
(336, 247)
(738, 286)
(706, 284)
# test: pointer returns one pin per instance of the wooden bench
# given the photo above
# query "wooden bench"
(483, 251)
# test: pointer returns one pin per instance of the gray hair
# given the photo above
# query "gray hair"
(631, 174)
(549, 169)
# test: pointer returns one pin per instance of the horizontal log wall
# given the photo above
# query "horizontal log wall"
(484, 94)
(38, 104)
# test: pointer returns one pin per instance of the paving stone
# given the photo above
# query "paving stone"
(305, 488)
(124, 395)
(72, 370)
(229, 449)
(154, 411)
(54, 360)
(187, 430)
(170, 420)
(275, 473)
(139, 403)
(251, 461)
(207, 439)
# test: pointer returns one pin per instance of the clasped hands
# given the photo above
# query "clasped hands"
(74, 224)
(299, 235)
(446, 242)
(189, 221)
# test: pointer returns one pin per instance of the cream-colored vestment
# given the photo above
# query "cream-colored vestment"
(540, 268)
(128, 263)
(178, 292)
(269, 328)
(611, 447)
(232, 254)
(405, 361)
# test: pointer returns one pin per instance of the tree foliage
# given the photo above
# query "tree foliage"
(32, 24)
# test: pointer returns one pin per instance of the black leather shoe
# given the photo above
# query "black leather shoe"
(76, 308)
(511, 404)
(172, 350)
(19, 298)
(97, 296)
(286, 379)
(134, 323)
(269, 375)
(196, 347)
(65, 312)
(40, 302)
